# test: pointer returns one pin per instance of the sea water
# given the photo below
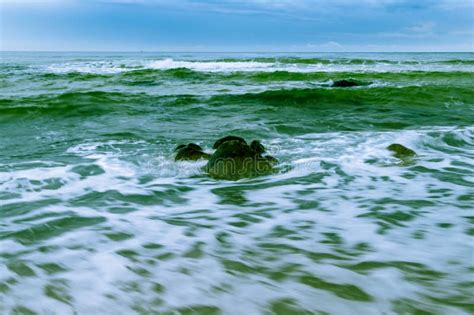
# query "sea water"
(96, 217)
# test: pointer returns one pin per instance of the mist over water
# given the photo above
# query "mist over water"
(96, 217)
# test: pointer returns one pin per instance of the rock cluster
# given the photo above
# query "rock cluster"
(233, 158)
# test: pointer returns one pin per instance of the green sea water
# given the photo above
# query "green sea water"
(96, 217)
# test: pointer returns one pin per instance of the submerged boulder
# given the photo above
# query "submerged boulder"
(190, 152)
(345, 83)
(400, 151)
(235, 159)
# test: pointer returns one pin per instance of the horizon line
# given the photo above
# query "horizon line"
(219, 51)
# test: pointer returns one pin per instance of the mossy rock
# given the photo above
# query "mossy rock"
(235, 159)
(228, 138)
(190, 152)
(400, 151)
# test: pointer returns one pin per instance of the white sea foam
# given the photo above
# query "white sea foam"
(100, 67)
(211, 66)
(118, 66)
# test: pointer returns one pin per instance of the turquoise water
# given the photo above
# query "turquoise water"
(96, 217)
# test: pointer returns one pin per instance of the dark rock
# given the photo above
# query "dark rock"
(257, 147)
(228, 138)
(195, 146)
(190, 152)
(180, 147)
(400, 151)
(345, 83)
(235, 159)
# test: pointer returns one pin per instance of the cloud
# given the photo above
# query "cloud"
(455, 4)
(28, 2)
(426, 27)
(464, 32)
(419, 30)
(313, 25)
(275, 5)
(329, 46)
(419, 47)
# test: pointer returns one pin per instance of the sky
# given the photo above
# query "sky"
(237, 25)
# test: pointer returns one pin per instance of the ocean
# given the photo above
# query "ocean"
(96, 217)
